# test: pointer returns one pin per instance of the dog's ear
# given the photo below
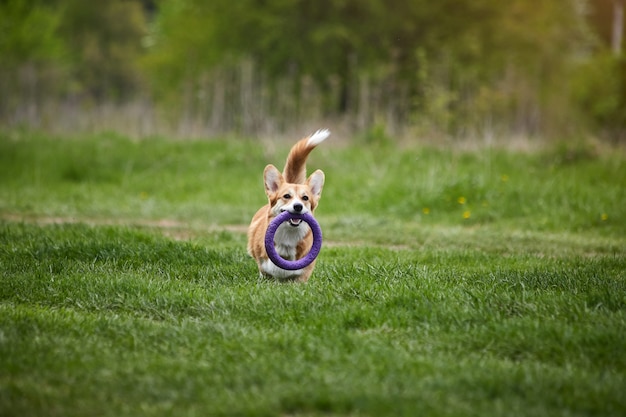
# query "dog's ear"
(273, 179)
(316, 182)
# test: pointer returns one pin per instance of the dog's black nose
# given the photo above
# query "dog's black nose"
(297, 208)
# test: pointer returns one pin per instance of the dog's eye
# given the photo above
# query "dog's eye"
(305, 198)
(287, 196)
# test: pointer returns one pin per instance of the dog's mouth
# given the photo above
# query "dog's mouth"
(295, 222)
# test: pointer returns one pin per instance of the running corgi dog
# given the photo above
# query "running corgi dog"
(290, 191)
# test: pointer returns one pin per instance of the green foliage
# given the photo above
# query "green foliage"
(90, 50)
(450, 68)
(600, 92)
(32, 56)
(29, 33)
(106, 43)
(428, 62)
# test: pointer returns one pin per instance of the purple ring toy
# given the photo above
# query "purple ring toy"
(300, 263)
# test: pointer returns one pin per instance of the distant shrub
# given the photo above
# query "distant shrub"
(600, 92)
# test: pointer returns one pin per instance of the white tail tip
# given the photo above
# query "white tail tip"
(318, 137)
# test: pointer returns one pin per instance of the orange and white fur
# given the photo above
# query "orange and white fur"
(290, 191)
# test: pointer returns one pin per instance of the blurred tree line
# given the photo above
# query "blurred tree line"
(454, 68)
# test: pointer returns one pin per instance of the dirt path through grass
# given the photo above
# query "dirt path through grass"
(174, 229)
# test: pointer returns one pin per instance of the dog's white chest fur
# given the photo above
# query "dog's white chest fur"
(286, 239)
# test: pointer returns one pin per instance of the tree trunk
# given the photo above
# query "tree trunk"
(618, 27)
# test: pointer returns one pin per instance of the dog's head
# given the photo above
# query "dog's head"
(294, 198)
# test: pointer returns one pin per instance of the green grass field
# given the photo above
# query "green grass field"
(480, 282)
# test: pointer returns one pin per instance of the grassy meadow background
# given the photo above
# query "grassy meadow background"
(452, 281)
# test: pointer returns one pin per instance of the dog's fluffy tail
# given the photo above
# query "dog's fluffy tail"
(295, 167)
